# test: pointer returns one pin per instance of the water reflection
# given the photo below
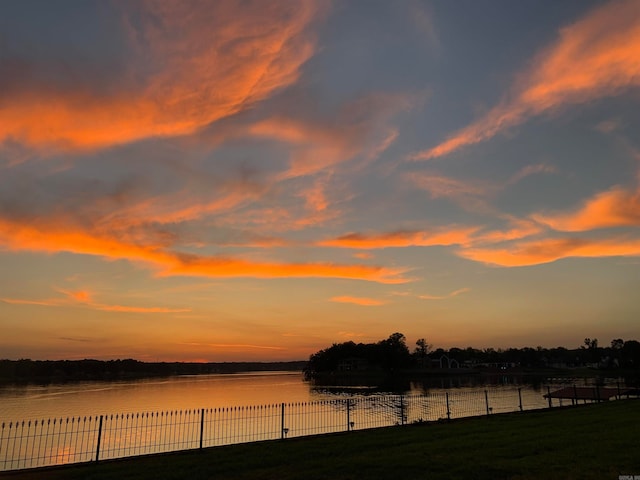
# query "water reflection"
(173, 393)
(225, 390)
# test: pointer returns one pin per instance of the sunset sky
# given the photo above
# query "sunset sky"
(256, 180)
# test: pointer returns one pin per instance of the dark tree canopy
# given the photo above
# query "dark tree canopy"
(388, 354)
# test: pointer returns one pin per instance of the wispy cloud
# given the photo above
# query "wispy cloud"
(130, 309)
(616, 207)
(230, 267)
(424, 21)
(517, 229)
(608, 126)
(550, 249)
(471, 195)
(454, 235)
(80, 339)
(596, 56)
(362, 301)
(83, 298)
(440, 186)
(360, 129)
(455, 293)
(189, 64)
(344, 334)
(529, 170)
(67, 237)
(21, 301)
(232, 346)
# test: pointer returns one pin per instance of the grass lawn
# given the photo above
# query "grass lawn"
(599, 441)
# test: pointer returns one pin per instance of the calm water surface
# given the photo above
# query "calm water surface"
(173, 393)
(194, 392)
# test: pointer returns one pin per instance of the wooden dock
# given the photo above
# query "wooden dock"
(595, 393)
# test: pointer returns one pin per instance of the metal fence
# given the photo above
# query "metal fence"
(56, 441)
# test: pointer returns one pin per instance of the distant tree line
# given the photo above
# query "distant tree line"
(393, 353)
(27, 370)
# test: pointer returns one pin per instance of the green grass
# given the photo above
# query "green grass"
(599, 441)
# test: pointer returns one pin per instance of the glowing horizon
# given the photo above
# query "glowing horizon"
(256, 181)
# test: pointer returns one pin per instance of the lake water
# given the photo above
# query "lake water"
(25, 402)
(172, 393)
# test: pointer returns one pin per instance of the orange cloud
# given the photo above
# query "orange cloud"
(550, 250)
(316, 146)
(62, 237)
(411, 238)
(616, 207)
(81, 296)
(363, 301)
(518, 229)
(230, 267)
(597, 56)
(316, 196)
(320, 203)
(204, 61)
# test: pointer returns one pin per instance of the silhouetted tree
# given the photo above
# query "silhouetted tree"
(421, 351)
(631, 354)
(593, 353)
(395, 352)
(388, 354)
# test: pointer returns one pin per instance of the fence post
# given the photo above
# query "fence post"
(520, 398)
(486, 400)
(448, 410)
(598, 393)
(401, 409)
(99, 439)
(549, 395)
(575, 394)
(282, 432)
(619, 396)
(201, 427)
(348, 415)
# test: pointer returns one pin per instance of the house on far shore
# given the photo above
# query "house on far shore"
(497, 365)
(445, 362)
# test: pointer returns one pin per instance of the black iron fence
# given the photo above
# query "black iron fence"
(55, 441)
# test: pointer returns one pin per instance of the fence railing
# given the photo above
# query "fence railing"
(55, 441)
